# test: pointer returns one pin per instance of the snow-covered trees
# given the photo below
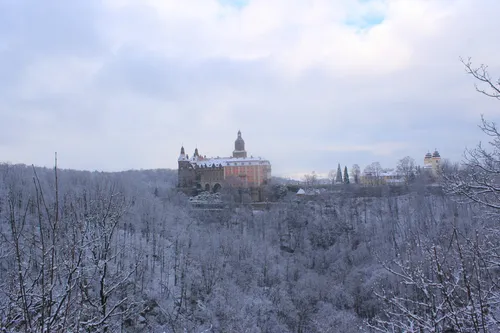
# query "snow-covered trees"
(451, 281)
(478, 179)
(123, 252)
(449, 285)
(59, 236)
(132, 258)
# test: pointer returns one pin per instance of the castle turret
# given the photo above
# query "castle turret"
(182, 156)
(239, 147)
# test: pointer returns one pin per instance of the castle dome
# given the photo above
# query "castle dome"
(436, 154)
(428, 155)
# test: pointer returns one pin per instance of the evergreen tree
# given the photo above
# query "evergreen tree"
(346, 176)
(338, 179)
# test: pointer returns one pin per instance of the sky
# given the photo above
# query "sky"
(121, 84)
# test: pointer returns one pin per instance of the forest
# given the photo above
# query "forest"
(125, 252)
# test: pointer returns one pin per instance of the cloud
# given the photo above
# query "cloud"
(120, 84)
(378, 149)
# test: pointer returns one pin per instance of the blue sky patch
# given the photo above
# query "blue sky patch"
(365, 22)
(234, 3)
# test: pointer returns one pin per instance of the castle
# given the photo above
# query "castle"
(432, 161)
(199, 173)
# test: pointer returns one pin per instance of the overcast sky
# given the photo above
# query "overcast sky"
(121, 84)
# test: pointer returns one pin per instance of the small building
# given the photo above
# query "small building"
(387, 177)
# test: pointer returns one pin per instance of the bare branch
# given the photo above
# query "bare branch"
(481, 74)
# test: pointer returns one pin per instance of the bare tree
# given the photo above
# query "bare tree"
(373, 173)
(356, 173)
(406, 167)
(311, 180)
(331, 176)
(479, 178)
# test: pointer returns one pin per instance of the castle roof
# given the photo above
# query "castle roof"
(230, 161)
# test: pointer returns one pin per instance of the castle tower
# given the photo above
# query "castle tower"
(436, 160)
(428, 160)
(239, 147)
(432, 161)
(185, 172)
(182, 156)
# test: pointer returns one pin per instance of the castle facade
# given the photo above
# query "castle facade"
(199, 173)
